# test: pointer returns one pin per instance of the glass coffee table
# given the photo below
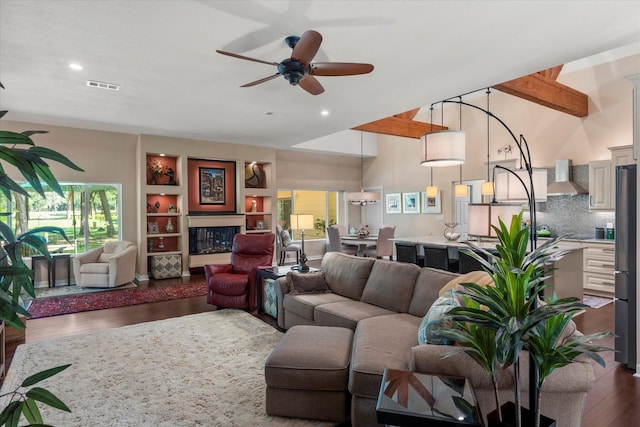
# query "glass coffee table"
(412, 399)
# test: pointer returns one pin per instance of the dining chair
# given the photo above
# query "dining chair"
(384, 246)
(336, 245)
(408, 252)
(467, 263)
(284, 245)
(436, 256)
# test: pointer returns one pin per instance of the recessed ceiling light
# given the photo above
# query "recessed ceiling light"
(76, 67)
(324, 112)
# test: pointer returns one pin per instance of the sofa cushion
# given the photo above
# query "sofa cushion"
(346, 274)
(104, 257)
(346, 314)
(425, 293)
(435, 319)
(303, 305)
(380, 342)
(306, 283)
(390, 285)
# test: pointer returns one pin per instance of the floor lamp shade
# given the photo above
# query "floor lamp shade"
(483, 216)
(443, 148)
(301, 221)
(509, 188)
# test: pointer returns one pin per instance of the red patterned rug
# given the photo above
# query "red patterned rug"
(54, 306)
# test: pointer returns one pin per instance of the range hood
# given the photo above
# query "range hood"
(563, 185)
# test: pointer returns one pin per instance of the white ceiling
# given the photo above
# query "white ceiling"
(162, 54)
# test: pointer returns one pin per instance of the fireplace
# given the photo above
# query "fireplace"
(211, 240)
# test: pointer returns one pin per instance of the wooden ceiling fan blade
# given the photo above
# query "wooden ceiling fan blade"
(235, 55)
(257, 82)
(307, 47)
(339, 68)
(311, 85)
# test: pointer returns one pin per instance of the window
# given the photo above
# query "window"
(323, 205)
(89, 214)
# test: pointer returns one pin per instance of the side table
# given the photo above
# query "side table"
(51, 267)
(412, 399)
(273, 273)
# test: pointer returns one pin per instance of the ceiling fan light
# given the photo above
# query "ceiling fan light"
(443, 148)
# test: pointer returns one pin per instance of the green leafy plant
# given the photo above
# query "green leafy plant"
(320, 224)
(19, 150)
(496, 323)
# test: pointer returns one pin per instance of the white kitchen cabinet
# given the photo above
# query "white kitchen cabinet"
(601, 186)
(598, 265)
(622, 155)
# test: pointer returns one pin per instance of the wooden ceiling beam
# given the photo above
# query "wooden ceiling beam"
(399, 126)
(544, 90)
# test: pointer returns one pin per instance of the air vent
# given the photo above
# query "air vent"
(101, 85)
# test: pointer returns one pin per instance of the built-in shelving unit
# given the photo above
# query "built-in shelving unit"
(167, 200)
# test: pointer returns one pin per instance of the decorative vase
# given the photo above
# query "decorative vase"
(169, 227)
(363, 232)
(509, 417)
(450, 232)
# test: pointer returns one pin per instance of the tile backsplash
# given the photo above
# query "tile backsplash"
(570, 214)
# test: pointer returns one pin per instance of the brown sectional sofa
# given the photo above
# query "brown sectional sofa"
(384, 303)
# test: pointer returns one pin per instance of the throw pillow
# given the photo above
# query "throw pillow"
(285, 238)
(436, 319)
(306, 283)
(105, 257)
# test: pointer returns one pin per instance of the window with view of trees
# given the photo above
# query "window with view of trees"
(89, 214)
(323, 205)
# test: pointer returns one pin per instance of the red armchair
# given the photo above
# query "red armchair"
(234, 285)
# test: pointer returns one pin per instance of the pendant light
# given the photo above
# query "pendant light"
(362, 197)
(461, 190)
(443, 147)
(432, 190)
(487, 186)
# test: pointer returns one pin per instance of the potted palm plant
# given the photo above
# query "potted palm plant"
(19, 150)
(496, 323)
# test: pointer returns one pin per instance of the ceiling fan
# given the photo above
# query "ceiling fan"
(298, 70)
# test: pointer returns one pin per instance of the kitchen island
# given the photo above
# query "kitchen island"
(567, 280)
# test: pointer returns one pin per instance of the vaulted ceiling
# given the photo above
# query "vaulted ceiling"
(172, 82)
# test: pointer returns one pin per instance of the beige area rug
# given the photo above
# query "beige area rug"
(200, 370)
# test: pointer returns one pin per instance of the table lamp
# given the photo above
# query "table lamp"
(302, 222)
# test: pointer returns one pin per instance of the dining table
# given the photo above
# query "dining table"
(363, 242)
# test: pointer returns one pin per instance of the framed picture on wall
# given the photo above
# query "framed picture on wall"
(411, 203)
(431, 205)
(212, 186)
(393, 203)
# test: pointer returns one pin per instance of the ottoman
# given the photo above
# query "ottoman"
(307, 374)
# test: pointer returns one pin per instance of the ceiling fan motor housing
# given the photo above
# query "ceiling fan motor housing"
(292, 70)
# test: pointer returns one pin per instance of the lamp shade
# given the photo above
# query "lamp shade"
(487, 188)
(483, 216)
(461, 190)
(432, 191)
(443, 148)
(301, 221)
(509, 188)
(362, 197)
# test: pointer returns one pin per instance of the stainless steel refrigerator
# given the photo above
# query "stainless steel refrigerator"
(626, 311)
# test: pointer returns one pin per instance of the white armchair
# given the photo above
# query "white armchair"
(110, 266)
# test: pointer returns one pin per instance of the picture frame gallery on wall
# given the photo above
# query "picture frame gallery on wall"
(393, 203)
(432, 205)
(411, 203)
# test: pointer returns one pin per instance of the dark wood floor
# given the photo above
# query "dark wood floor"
(613, 401)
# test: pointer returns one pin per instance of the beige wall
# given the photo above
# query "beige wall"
(551, 135)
